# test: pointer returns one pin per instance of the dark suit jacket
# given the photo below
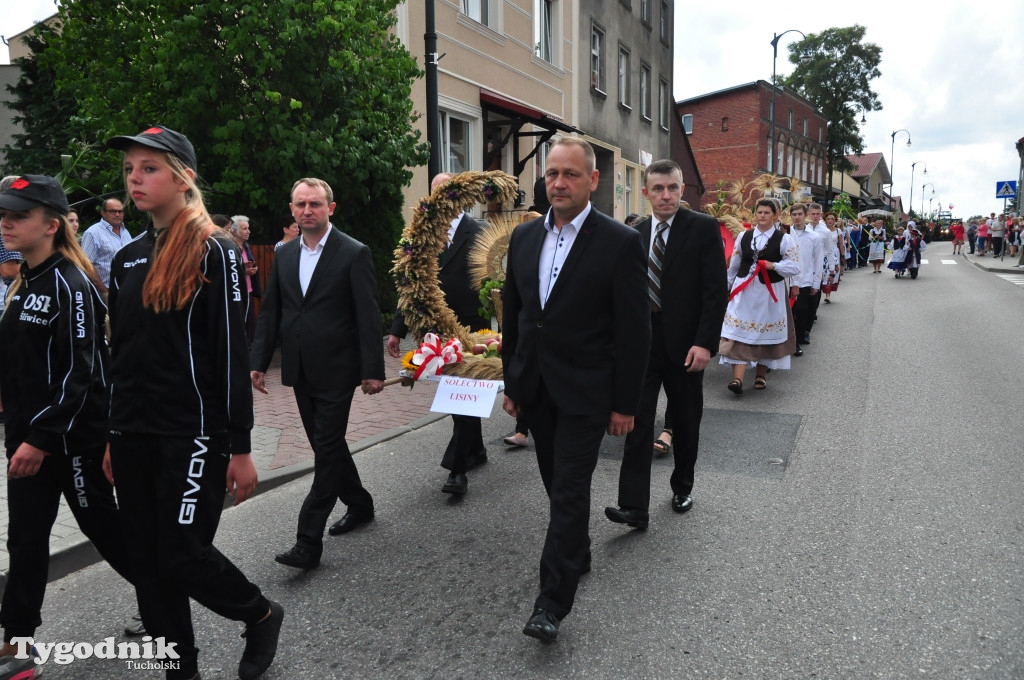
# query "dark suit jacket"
(453, 277)
(694, 286)
(591, 341)
(333, 334)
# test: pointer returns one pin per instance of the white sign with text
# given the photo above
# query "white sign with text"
(465, 396)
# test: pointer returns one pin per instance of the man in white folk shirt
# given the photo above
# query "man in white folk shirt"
(808, 281)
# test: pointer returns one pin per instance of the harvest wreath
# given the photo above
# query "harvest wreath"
(416, 269)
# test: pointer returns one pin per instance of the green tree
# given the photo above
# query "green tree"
(835, 76)
(268, 91)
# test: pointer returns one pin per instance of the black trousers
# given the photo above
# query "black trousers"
(324, 414)
(685, 393)
(814, 301)
(32, 504)
(803, 317)
(171, 491)
(567, 447)
(466, 444)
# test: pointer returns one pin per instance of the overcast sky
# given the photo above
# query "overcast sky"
(952, 75)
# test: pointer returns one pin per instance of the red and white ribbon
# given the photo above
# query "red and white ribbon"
(762, 269)
(431, 357)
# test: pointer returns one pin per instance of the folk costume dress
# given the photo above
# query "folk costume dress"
(876, 247)
(899, 255)
(757, 328)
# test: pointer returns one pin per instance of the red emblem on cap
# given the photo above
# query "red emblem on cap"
(19, 183)
(153, 131)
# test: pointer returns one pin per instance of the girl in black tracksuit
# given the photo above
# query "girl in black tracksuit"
(55, 393)
(181, 404)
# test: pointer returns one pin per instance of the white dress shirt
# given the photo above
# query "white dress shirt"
(308, 257)
(654, 232)
(557, 244)
(811, 257)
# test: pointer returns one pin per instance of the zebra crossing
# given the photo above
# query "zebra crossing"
(1015, 279)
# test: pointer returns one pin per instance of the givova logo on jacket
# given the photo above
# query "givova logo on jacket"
(186, 515)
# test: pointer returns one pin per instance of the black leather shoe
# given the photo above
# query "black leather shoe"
(542, 625)
(634, 518)
(456, 484)
(681, 502)
(299, 557)
(799, 351)
(349, 522)
(473, 462)
(261, 644)
(586, 564)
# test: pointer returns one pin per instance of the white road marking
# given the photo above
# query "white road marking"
(1015, 279)
(948, 261)
(924, 261)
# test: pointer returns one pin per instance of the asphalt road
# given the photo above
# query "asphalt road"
(861, 518)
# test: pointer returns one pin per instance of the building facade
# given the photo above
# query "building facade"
(730, 132)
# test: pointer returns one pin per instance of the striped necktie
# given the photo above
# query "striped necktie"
(654, 267)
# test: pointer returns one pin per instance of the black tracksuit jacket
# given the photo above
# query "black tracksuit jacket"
(52, 375)
(185, 372)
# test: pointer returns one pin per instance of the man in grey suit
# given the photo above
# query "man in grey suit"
(321, 300)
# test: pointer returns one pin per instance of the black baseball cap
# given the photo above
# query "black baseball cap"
(159, 137)
(28, 191)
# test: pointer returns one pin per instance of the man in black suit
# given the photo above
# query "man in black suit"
(321, 300)
(688, 294)
(466, 447)
(576, 337)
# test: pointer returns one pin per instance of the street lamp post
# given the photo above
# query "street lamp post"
(892, 170)
(926, 184)
(775, 57)
(911, 202)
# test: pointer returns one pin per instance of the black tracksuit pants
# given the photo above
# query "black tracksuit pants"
(32, 504)
(803, 315)
(171, 491)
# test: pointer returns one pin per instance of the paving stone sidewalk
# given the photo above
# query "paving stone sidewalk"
(281, 451)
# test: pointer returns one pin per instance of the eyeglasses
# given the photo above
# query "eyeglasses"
(116, 212)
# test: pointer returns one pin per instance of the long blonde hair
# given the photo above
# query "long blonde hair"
(175, 275)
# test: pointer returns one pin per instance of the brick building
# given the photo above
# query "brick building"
(730, 134)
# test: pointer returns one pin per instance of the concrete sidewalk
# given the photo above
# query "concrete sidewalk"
(281, 451)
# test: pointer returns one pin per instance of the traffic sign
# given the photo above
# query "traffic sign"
(1006, 189)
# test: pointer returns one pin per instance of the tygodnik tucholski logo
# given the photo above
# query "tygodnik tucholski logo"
(150, 654)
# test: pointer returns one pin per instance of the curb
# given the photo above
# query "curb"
(72, 554)
(1001, 266)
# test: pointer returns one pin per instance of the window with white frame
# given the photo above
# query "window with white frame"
(665, 27)
(805, 127)
(629, 190)
(543, 18)
(597, 59)
(663, 103)
(456, 143)
(688, 123)
(623, 76)
(645, 12)
(483, 11)
(645, 91)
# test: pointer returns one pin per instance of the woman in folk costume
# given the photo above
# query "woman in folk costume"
(915, 248)
(899, 253)
(876, 246)
(757, 331)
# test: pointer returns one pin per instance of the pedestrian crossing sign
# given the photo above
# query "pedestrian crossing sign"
(1006, 189)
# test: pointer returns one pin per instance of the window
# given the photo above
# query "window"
(645, 91)
(725, 123)
(597, 59)
(805, 127)
(456, 154)
(663, 103)
(645, 12)
(623, 76)
(688, 123)
(665, 28)
(477, 9)
(819, 134)
(543, 13)
(790, 126)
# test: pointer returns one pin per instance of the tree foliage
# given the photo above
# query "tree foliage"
(836, 79)
(268, 91)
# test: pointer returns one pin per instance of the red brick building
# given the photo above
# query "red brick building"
(729, 132)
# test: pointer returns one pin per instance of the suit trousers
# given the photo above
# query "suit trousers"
(466, 444)
(685, 393)
(814, 301)
(324, 414)
(803, 317)
(32, 504)
(171, 491)
(567, 447)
